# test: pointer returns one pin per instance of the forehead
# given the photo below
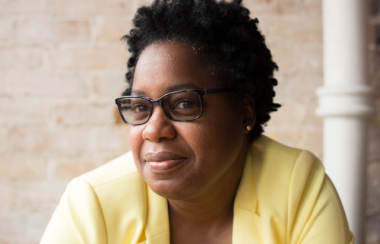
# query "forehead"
(170, 66)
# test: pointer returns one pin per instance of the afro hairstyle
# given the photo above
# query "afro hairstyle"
(225, 35)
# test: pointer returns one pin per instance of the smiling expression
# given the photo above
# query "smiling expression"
(188, 159)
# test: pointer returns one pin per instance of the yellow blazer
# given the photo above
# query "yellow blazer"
(284, 197)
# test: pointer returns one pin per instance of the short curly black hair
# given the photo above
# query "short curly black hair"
(224, 33)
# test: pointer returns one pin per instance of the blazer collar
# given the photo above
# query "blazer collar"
(247, 226)
(157, 220)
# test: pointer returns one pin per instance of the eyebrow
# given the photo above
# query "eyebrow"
(172, 88)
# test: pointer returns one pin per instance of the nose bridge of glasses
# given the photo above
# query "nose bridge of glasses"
(156, 102)
(159, 102)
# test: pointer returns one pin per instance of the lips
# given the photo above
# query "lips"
(163, 161)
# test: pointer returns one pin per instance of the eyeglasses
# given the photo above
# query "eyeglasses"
(184, 105)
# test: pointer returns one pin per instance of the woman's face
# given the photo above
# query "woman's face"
(185, 160)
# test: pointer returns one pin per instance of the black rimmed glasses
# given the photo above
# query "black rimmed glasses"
(184, 105)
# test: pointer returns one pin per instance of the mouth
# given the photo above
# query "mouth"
(162, 162)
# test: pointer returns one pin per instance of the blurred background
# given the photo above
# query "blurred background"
(62, 64)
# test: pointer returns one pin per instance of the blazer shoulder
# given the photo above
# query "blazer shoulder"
(266, 144)
(273, 160)
(118, 168)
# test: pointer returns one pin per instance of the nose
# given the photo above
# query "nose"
(159, 127)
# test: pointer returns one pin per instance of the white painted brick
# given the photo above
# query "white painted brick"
(374, 143)
(109, 85)
(114, 139)
(76, 114)
(47, 30)
(67, 169)
(373, 181)
(21, 58)
(285, 134)
(294, 111)
(22, 112)
(144, 2)
(73, 7)
(6, 29)
(375, 121)
(310, 60)
(285, 57)
(312, 7)
(38, 196)
(22, 168)
(91, 7)
(3, 81)
(49, 141)
(273, 7)
(300, 86)
(121, 7)
(312, 119)
(54, 85)
(111, 29)
(30, 196)
(21, 228)
(293, 30)
(7, 197)
(112, 59)
(311, 139)
(373, 227)
(3, 140)
(15, 7)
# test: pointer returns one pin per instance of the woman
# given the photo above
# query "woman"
(199, 170)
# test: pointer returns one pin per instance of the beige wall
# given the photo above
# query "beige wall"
(62, 65)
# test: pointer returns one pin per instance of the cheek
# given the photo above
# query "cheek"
(215, 138)
(223, 126)
(136, 142)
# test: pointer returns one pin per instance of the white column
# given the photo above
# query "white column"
(346, 104)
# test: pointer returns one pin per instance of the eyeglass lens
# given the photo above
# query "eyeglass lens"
(177, 106)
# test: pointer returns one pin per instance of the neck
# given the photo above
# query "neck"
(204, 213)
(211, 207)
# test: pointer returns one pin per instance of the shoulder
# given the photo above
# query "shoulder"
(294, 192)
(106, 205)
(272, 157)
(117, 169)
(118, 175)
(118, 183)
(268, 146)
(283, 174)
(107, 201)
(112, 182)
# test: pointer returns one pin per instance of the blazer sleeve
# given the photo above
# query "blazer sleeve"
(78, 219)
(316, 214)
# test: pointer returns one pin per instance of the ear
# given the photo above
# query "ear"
(249, 114)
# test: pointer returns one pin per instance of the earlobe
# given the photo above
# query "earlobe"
(249, 114)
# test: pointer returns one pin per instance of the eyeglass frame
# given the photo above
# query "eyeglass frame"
(201, 93)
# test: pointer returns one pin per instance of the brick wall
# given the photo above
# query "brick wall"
(62, 65)
(373, 166)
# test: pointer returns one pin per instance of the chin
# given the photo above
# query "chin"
(171, 189)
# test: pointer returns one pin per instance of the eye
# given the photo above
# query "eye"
(184, 104)
(139, 108)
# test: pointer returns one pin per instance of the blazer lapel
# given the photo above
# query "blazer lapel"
(157, 223)
(247, 227)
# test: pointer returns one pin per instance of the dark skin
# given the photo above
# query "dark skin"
(209, 153)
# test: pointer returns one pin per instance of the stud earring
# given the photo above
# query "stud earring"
(249, 128)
